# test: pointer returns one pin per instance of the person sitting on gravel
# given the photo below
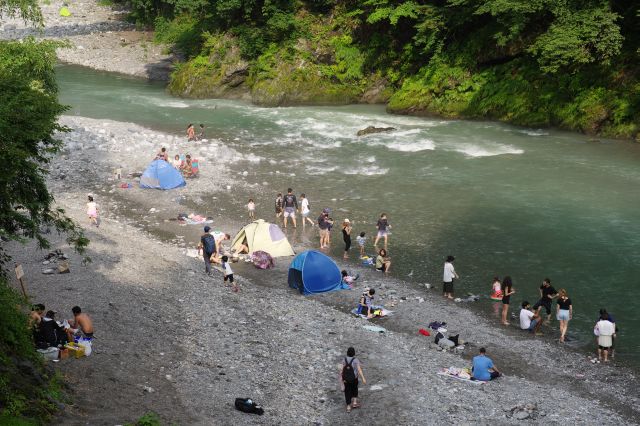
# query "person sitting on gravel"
(349, 372)
(365, 306)
(37, 312)
(187, 167)
(348, 279)
(483, 368)
(49, 333)
(162, 155)
(529, 320)
(81, 325)
(176, 162)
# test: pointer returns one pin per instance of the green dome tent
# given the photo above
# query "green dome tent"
(264, 236)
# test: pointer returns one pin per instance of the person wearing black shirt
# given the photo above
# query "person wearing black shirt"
(547, 294)
(564, 312)
(290, 207)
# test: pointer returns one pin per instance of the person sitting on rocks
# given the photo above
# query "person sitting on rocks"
(348, 279)
(365, 306)
(187, 167)
(49, 333)
(483, 368)
(37, 312)
(177, 162)
(162, 155)
(80, 325)
(529, 320)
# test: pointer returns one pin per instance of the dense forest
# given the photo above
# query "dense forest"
(566, 63)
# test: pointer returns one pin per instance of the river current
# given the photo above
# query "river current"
(530, 203)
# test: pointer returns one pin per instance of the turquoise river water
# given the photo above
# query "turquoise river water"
(529, 203)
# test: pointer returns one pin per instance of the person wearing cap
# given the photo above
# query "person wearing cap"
(448, 277)
(208, 244)
(346, 236)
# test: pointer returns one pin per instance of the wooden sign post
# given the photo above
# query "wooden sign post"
(19, 276)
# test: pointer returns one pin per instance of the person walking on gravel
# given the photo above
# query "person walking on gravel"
(350, 371)
(208, 243)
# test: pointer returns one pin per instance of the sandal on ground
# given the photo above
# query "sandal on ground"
(348, 408)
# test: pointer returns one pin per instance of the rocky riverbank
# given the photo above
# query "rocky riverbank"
(171, 340)
(99, 38)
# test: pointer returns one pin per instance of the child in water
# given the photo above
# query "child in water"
(252, 209)
(496, 293)
(228, 273)
(92, 211)
(361, 239)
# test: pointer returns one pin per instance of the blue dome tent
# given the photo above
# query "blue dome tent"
(161, 175)
(312, 272)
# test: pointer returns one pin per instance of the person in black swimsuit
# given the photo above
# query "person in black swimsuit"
(507, 291)
(346, 236)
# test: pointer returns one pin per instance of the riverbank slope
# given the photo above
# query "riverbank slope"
(171, 340)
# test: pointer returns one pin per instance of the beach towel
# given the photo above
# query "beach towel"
(193, 219)
(374, 328)
(378, 312)
(461, 374)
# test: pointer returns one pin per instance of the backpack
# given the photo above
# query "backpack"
(348, 375)
(246, 405)
(209, 244)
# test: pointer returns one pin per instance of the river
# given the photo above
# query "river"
(530, 203)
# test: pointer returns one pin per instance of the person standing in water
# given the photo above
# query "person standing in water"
(191, 133)
(383, 230)
(290, 207)
(346, 236)
(251, 207)
(92, 211)
(448, 276)
(507, 291)
(305, 210)
(564, 312)
(279, 205)
(201, 133)
(547, 294)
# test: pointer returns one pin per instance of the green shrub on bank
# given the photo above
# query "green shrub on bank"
(28, 393)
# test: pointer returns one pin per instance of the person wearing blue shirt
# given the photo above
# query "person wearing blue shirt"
(483, 368)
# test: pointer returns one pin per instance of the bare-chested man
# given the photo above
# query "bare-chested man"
(80, 324)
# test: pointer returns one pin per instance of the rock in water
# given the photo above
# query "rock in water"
(372, 129)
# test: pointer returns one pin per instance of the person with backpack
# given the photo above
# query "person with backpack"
(351, 370)
(208, 243)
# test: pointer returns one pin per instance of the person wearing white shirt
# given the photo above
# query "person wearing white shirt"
(606, 331)
(528, 319)
(448, 277)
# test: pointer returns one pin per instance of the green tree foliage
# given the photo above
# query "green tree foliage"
(27, 10)
(468, 55)
(29, 112)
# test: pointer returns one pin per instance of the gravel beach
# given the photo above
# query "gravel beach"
(172, 340)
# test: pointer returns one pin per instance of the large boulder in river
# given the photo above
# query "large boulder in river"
(371, 129)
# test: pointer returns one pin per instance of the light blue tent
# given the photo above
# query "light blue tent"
(161, 175)
(313, 272)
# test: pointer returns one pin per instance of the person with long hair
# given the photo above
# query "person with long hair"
(346, 237)
(564, 312)
(507, 291)
(383, 263)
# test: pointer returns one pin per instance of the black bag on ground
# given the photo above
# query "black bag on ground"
(348, 375)
(246, 405)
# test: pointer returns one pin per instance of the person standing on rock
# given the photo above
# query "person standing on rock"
(350, 371)
(448, 277)
(208, 243)
(290, 207)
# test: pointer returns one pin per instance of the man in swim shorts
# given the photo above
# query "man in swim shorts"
(547, 294)
(290, 207)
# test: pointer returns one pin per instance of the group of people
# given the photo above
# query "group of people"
(191, 132)
(186, 165)
(48, 332)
